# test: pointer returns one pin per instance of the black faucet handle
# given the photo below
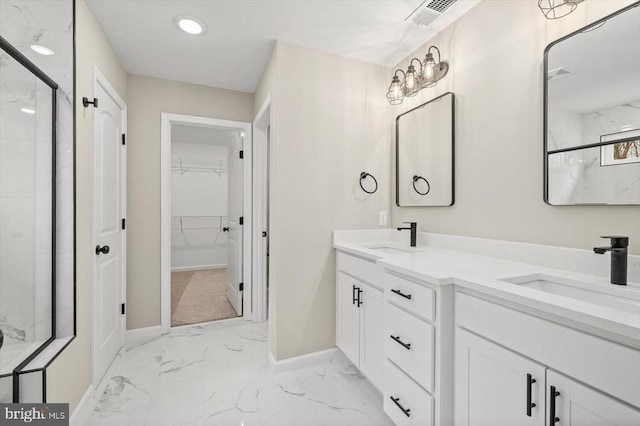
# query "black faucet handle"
(618, 241)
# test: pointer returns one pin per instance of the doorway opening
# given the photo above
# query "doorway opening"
(206, 195)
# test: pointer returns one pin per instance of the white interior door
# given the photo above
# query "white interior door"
(236, 206)
(108, 233)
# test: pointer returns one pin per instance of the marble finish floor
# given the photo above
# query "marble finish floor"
(219, 374)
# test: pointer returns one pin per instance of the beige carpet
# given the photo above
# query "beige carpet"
(199, 296)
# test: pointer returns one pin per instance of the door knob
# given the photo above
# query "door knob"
(225, 229)
(103, 250)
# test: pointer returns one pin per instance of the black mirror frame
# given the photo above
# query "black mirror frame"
(545, 109)
(453, 148)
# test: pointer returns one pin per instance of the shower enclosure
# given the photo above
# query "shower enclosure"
(27, 215)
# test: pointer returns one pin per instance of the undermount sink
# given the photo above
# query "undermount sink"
(621, 298)
(388, 249)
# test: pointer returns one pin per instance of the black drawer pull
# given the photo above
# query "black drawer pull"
(399, 293)
(552, 406)
(406, 411)
(530, 405)
(407, 346)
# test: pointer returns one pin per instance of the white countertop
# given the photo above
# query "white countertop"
(485, 274)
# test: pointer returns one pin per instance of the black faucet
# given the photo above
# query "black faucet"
(413, 227)
(618, 251)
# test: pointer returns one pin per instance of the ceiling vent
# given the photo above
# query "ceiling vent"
(558, 74)
(429, 11)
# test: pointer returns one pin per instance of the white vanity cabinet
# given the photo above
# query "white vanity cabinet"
(417, 346)
(359, 314)
(506, 371)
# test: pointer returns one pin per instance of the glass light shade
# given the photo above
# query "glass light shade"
(429, 69)
(395, 95)
(554, 9)
(411, 83)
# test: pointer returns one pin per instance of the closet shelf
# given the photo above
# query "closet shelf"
(185, 165)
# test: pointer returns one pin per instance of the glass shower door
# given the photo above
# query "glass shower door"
(27, 210)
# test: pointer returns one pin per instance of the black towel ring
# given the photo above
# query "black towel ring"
(416, 178)
(363, 176)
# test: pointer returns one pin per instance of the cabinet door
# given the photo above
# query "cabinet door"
(575, 404)
(348, 318)
(371, 334)
(492, 386)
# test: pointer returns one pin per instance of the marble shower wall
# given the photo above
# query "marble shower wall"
(577, 176)
(48, 23)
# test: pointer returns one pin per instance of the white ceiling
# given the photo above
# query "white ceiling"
(185, 133)
(240, 35)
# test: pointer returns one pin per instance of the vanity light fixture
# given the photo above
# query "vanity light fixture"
(554, 9)
(27, 110)
(42, 50)
(190, 25)
(426, 74)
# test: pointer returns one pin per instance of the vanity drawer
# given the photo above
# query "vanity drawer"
(409, 343)
(413, 297)
(365, 270)
(411, 398)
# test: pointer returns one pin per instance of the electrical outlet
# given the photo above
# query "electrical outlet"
(382, 218)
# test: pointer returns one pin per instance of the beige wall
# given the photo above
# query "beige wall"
(330, 124)
(69, 376)
(147, 98)
(496, 57)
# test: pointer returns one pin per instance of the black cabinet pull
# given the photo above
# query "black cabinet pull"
(406, 411)
(399, 293)
(103, 250)
(225, 229)
(552, 406)
(359, 300)
(530, 405)
(407, 346)
(353, 295)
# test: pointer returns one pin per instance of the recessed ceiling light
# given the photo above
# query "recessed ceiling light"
(28, 110)
(190, 25)
(42, 50)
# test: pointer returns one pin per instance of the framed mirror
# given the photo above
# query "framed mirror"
(425, 154)
(592, 114)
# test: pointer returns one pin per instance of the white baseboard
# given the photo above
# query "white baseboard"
(81, 414)
(303, 360)
(139, 333)
(197, 267)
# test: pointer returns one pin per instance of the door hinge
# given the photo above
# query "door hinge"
(241, 220)
(124, 139)
(241, 286)
(124, 223)
(86, 102)
(123, 309)
(241, 153)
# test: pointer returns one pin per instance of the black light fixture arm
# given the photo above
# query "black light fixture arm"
(437, 50)
(404, 75)
(419, 63)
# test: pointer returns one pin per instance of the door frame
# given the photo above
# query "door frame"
(100, 80)
(262, 121)
(167, 119)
